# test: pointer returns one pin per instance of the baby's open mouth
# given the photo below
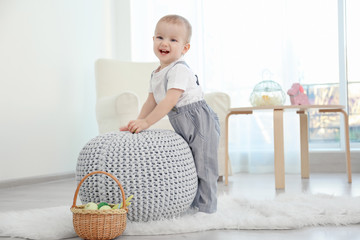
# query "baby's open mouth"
(164, 51)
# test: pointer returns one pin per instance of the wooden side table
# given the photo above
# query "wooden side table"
(279, 168)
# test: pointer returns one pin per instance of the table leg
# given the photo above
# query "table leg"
(347, 139)
(227, 141)
(347, 145)
(304, 144)
(279, 162)
(227, 149)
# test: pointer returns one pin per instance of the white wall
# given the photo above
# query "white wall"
(47, 85)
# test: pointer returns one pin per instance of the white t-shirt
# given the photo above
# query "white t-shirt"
(180, 77)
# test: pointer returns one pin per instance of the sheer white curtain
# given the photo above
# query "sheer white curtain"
(234, 43)
(296, 41)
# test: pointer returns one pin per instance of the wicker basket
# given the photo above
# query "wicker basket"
(99, 224)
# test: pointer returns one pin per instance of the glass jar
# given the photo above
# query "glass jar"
(267, 93)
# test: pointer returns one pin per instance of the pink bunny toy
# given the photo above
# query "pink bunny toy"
(297, 95)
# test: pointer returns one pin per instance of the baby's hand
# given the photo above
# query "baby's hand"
(138, 125)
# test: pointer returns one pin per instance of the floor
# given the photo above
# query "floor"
(253, 186)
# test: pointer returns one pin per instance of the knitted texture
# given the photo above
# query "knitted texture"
(156, 166)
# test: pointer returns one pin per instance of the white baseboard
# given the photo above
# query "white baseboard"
(36, 179)
(320, 162)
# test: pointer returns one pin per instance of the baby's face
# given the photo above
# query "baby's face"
(170, 42)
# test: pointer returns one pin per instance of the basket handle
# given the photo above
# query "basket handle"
(106, 173)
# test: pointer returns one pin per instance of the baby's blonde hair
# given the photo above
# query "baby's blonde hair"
(176, 19)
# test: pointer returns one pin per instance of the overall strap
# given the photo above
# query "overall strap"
(179, 62)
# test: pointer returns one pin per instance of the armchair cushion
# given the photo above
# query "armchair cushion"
(115, 111)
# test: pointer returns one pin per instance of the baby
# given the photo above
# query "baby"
(175, 91)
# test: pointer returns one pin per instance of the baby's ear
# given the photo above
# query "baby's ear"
(186, 48)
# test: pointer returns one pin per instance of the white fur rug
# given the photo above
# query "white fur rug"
(286, 211)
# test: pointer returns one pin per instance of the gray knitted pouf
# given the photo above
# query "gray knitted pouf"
(156, 166)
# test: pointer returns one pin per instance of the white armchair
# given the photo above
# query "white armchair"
(122, 88)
